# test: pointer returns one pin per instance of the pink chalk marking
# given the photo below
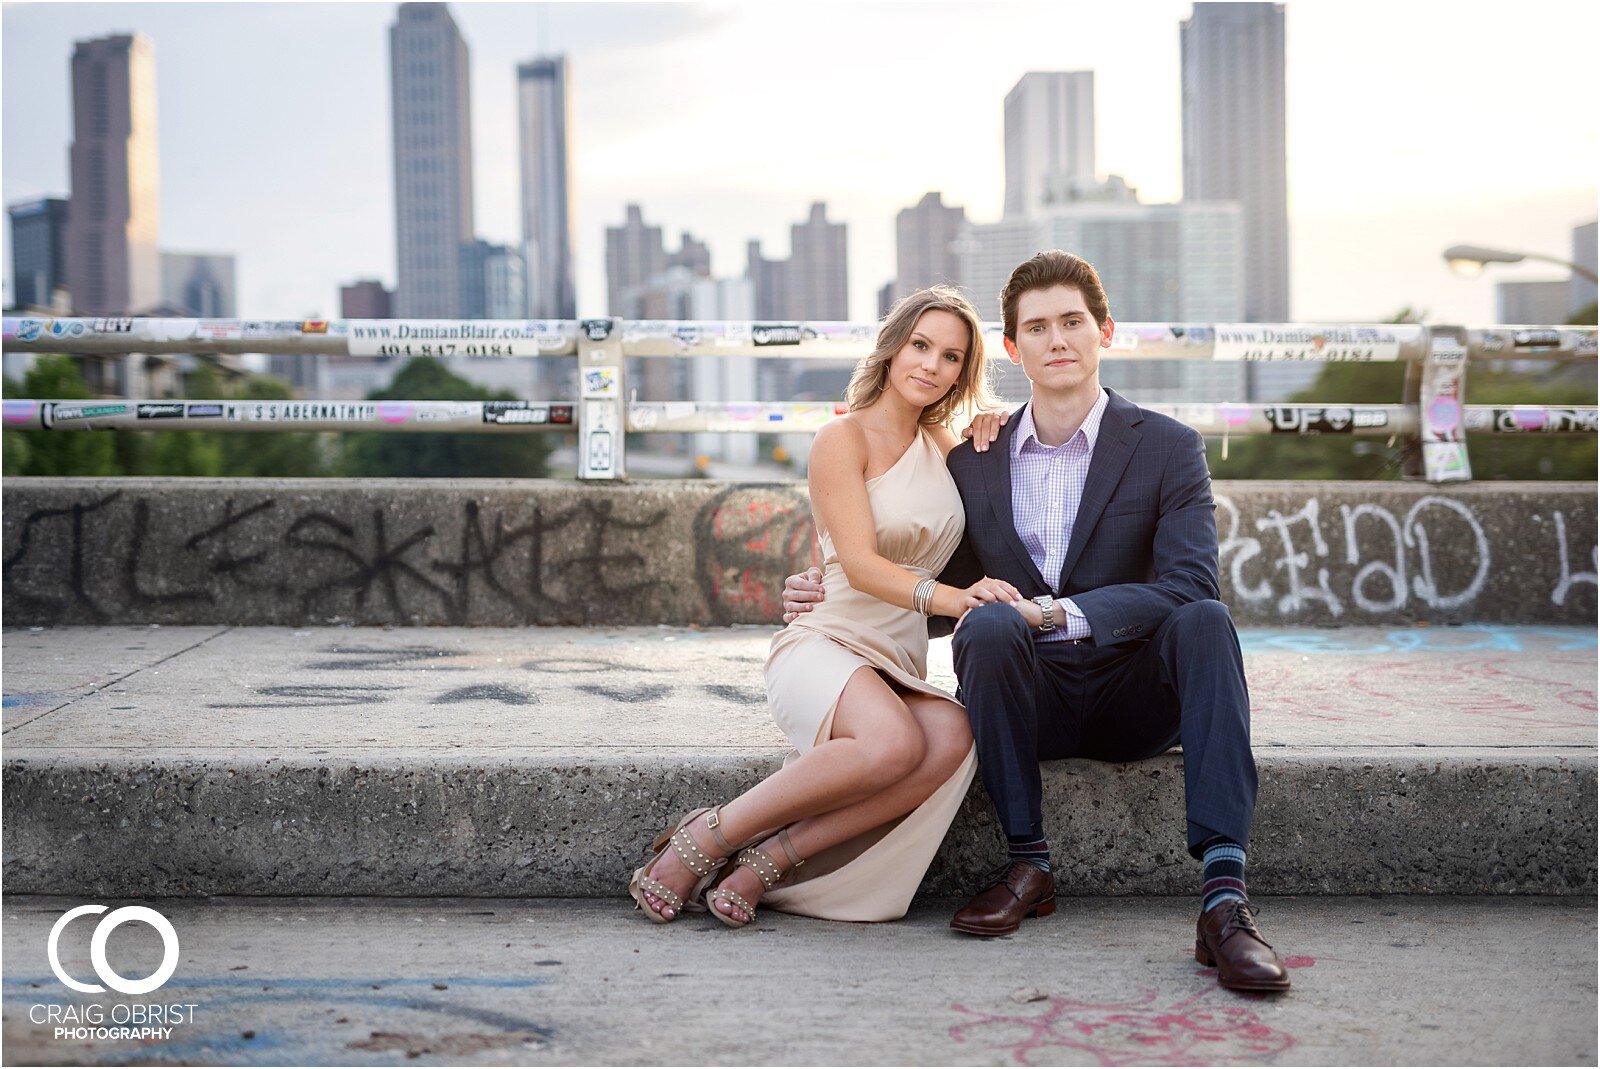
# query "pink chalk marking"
(1299, 961)
(1529, 419)
(394, 411)
(1132, 1032)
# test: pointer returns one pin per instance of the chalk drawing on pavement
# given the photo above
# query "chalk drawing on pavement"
(1210, 1027)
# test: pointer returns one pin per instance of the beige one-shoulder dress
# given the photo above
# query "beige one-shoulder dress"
(919, 520)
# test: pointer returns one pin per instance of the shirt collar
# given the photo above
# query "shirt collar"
(1090, 428)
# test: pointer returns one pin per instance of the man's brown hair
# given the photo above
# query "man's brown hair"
(1047, 269)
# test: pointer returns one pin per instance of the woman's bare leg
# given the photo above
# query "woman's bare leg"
(876, 742)
(946, 741)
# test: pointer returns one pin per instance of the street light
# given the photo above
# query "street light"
(1469, 260)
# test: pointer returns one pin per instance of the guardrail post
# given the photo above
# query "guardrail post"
(1436, 385)
(602, 405)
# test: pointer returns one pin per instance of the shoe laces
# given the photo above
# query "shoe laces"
(1242, 917)
(1000, 876)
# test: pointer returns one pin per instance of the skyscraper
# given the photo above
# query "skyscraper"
(38, 250)
(634, 255)
(432, 160)
(1049, 138)
(924, 244)
(1233, 137)
(543, 118)
(818, 281)
(113, 264)
(495, 281)
(200, 283)
(366, 299)
(769, 283)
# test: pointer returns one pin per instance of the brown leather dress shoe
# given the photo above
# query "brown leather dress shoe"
(1012, 892)
(1227, 938)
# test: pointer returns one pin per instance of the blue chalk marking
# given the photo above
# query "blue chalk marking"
(1462, 639)
(276, 1047)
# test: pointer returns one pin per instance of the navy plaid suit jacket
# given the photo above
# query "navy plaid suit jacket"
(1144, 541)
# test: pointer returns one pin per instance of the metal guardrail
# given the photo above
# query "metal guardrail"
(1433, 415)
(698, 417)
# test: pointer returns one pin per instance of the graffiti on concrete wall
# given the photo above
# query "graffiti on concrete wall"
(749, 540)
(555, 555)
(1436, 555)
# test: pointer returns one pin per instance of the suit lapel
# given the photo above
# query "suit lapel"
(997, 479)
(1112, 450)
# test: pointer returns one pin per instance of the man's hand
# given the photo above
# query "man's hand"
(800, 592)
(1032, 613)
(985, 428)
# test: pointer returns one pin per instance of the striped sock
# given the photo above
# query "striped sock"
(1224, 874)
(1033, 849)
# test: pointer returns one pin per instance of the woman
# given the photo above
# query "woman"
(882, 759)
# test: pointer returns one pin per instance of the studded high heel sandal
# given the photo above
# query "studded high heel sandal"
(680, 842)
(765, 869)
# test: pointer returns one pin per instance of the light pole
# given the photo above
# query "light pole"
(1470, 260)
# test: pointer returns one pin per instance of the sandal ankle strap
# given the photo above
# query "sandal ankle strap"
(795, 860)
(763, 865)
(714, 825)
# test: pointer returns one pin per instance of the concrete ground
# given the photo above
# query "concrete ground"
(344, 692)
(533, 762)
(1377, 981)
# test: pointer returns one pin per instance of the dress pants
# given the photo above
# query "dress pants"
(1033, 701)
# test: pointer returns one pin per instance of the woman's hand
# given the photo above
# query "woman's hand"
(985, 428)
(986, 590)
(800, 592)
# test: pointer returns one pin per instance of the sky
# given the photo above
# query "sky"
(1412, 126)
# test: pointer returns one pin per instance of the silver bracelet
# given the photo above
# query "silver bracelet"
(922, 597)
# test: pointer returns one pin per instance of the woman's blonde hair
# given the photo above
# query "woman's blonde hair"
(971, 389)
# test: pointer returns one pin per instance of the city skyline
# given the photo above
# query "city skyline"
(1366, 166)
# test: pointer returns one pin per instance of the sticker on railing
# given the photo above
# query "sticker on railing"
(514, 412)
(309, 412)
(1245, 341)
(600, 381)
(455, 337)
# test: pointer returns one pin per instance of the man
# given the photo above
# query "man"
(1101, 514)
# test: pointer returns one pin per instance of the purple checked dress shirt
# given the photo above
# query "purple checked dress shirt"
(1046, 489)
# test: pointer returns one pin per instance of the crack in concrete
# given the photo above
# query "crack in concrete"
(113, 682)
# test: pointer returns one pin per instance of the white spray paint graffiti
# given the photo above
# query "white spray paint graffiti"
(1395, 573)
(1404, 573)
(1292, 563)
(1558, 596)
(1417, 535)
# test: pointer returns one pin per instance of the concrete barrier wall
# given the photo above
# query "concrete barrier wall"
(501, 553)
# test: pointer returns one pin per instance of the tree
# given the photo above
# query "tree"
(287, 454)
(442, 455)
(52, 377)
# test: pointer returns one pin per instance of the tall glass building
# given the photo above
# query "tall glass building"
(432, 117)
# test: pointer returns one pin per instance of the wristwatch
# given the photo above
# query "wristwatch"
(1047, 607)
